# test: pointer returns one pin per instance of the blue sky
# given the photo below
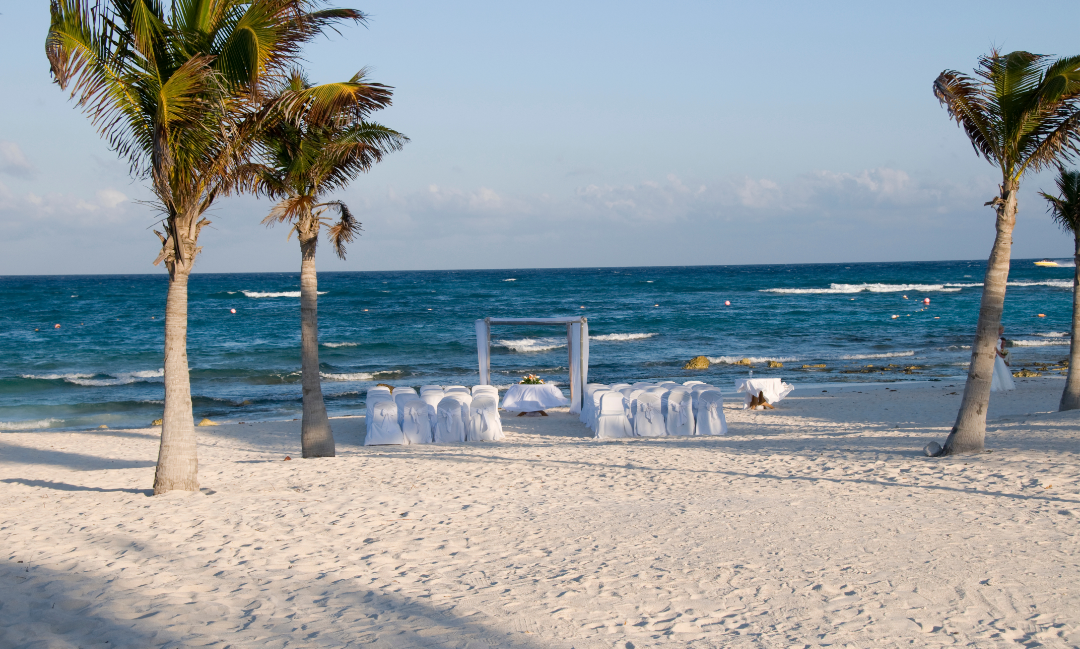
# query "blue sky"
(585, 134)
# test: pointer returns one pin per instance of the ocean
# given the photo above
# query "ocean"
(862, 322)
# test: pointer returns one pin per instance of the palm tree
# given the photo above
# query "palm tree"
(1065, 210)
(319, 143)
(179, 92)
(1021, 112)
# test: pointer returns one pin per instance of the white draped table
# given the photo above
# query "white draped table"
(533, 398)
(774, 389)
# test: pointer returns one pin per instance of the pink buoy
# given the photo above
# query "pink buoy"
(926, 300)
(232, 310)
(727, 302)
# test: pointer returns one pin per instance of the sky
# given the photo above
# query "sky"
(573, 134)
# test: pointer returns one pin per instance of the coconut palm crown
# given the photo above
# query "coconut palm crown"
(1021, 112)
(179, 89)
(1065, 210)
(317, 143)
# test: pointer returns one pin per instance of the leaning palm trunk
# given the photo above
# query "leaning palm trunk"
(1070, 398)
(316, 438)
(969, 433)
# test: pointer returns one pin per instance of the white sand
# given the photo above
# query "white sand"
(818, 524)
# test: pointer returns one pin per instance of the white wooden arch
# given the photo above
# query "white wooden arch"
(577, 343)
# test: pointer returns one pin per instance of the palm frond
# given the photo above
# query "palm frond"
(1064, 208)
(344, 230)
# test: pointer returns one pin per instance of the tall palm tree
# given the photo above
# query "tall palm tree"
(179, 90)
(1021, 112)
(1065, 210)
(318, 143)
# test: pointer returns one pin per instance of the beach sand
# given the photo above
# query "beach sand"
(817, 524)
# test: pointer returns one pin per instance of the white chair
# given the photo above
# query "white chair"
(670, 384)
(424, 388)
(450, 428)
(432, 399)
(630, 395)
(642, 385)
(384, 425)
(594, 409)
(648, 420)
(656, 389)
(690, 383)
(484, 420)
(612, 422)
(710, 413)
(619, 386)
(490, 389)
(457, 388)
(401, 395)
(417, 426)
(679, 419)
(373, 398)
(587, 402)
(465, 399)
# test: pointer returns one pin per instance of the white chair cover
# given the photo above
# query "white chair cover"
(384, 425)
(656, 389)
(417, 426)
(619, 386)
(667, 396)
(670, 384)
(485, 422)
(401, 396)
(642, 385)
(648, 420)
(487, 389)
(773, 389)
(465, 399)
(450, 427)
(594, 409)
(372, 399)
(424, 388)
(680, 413)
(689, 383)
(710, 413)
(612, 422)
(457, 388)
(587, 414)
(630, 395)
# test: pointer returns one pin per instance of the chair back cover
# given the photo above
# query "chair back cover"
(449, 427)
(587, 414)
(424, 388)
(680, 413)
(490, 389)
(612, 422)
(384, 425)
(465, 399)
(710, 413)
(594, 409)
(486, 424)
(669, 384)
(417, 424)
(400, 398)
(619, 386)
(456, 388)
(648, 419)
(641, 385)
(656, 389)
(372, 399)
(689, 383)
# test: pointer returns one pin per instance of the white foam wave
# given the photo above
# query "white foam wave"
(512, 279)
(1054, 334)
(1039, 343)
(611, 337)
(27, 425)
(277, 294)
(335, 345)
(865, 288)
(122, 378)
(734, 360)
(532, 344)
(1056, 283)
(347, 376)
(861, 357)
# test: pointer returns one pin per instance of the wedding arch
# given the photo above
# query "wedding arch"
(577, 343)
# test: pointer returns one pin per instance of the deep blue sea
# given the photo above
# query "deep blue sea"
(103, 364)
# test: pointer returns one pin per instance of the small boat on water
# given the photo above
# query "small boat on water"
(1046, 263)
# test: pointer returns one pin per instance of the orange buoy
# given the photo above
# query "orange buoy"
(232, 310)
(56, 327)
(727, 302)
(926, 300)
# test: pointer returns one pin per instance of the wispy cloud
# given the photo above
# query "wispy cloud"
(13, 162)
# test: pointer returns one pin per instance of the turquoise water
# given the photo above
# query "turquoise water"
(103, 365)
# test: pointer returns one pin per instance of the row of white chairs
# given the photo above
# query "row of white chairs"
(653, 410)
(436, 415)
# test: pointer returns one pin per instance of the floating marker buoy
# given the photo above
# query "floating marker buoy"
(58, 326)
(232, 310)
(926, 300)
(582, 307)
(1040, 315)
(727, 302)
(653, 305)
(895, 317)
(905, 297)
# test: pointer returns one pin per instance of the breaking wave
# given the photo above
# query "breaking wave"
(610, 337)
(28, 425)
(1039, 343)
(866, 288)
(278, 294)
(861, 357)
(1054, 334)
(92, 380)
(735, 360)
(532, 344)
(335, 345)
(359, 376)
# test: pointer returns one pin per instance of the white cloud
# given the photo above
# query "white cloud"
(13, 162)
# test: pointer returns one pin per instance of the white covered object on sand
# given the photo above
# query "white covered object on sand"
(416, 426)
(612, 422)
(449, 427)
(710, 413)
(384, 427)
(774, 389)
(648, 420)
(533, 398)
(485, 425)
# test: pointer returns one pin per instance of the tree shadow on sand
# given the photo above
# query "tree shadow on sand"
(64, 486)
(14, 454)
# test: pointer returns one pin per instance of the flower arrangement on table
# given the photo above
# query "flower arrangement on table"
(531, 379)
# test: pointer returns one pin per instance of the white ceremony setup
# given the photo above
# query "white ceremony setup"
(447, 414)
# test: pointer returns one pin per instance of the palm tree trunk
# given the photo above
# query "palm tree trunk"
(178, 462)
(969, 433)
(1070, 397)
(316, 438)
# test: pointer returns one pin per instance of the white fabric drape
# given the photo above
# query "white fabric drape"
(1001, 381)
(483, 351)
(773, 389)
(575, 368)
